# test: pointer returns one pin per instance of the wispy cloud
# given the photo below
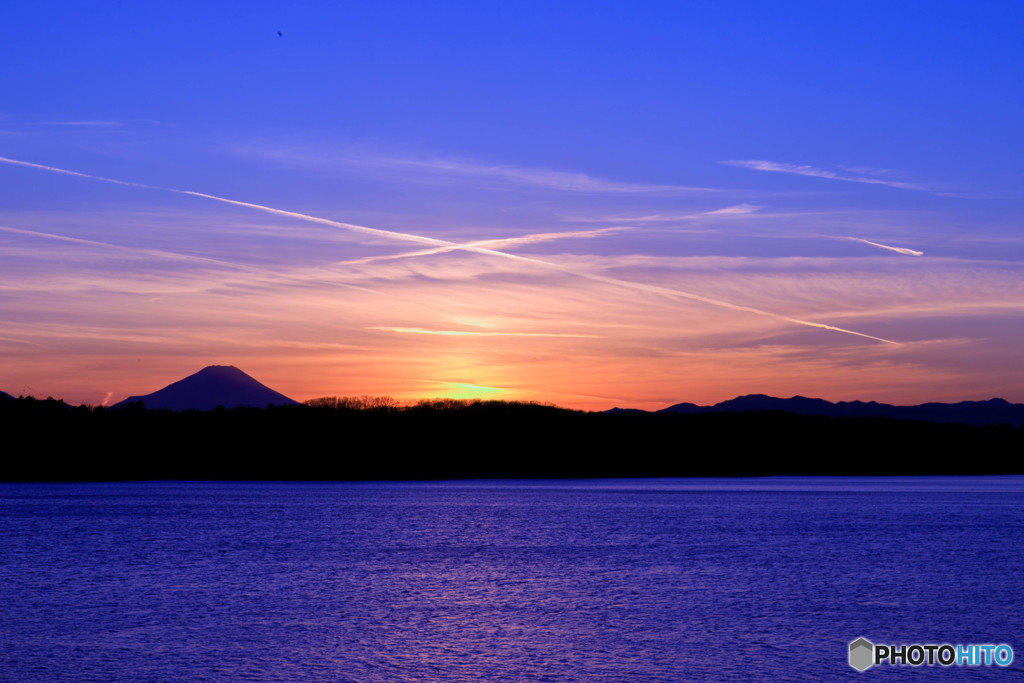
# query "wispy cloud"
(433, 170)
(868, 170)
(263, 273)
(471, 333)
(726, 212)
(159, 253)
(738, 210)
(420, 239)
(899, 250)
(811, 171)
(94, 124)
(535, 177)
(636, 286)
(16, 340)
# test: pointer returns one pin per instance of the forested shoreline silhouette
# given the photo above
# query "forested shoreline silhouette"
(361, 438)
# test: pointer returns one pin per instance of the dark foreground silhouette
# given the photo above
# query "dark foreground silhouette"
(991, 412)
(48, 440)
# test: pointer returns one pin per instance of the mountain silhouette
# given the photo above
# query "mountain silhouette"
(994, 411)
(211, 387)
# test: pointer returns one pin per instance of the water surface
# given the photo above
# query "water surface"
(648, 580)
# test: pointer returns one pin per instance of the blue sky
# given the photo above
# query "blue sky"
(787, 157)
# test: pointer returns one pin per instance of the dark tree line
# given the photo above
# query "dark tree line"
(50, 440)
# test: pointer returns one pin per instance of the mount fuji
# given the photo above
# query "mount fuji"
(213, 386)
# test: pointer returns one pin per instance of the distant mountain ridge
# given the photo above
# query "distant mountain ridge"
(211, 387)
(994, 411)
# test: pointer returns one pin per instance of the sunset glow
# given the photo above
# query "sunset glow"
(588, 208)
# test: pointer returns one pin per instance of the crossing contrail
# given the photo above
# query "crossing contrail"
(491, 243)
(434, 242)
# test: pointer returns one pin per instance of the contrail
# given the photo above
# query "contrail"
(736, 210)
(678, 293)
(376, 232)
(673, 293)
(173, 256)
(137, 250)
(77, 174)
(898, 250)
(799, 169)
(420, 239)
(491, 243)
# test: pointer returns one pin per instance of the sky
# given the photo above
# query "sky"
(591, 204)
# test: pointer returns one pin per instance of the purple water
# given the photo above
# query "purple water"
(660, 580)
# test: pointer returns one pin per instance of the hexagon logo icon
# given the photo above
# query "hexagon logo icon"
(862, 654)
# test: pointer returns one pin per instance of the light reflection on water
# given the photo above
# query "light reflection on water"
(540, 580)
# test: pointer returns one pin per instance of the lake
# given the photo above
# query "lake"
(646, 580)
